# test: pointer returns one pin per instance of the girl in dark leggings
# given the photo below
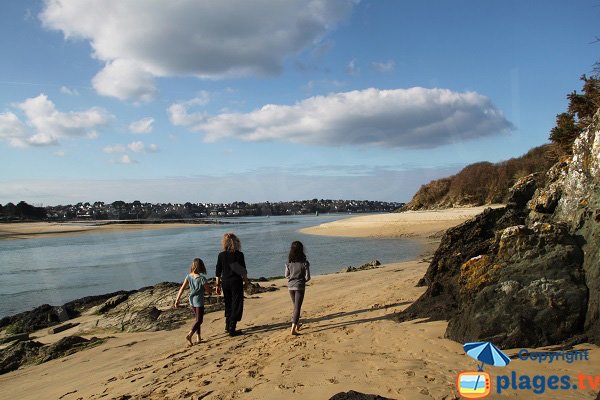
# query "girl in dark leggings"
(197, 282)
(298, 273)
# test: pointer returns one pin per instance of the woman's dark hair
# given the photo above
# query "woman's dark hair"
(297, 252)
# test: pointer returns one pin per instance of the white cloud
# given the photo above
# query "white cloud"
(140, 147)
(136, 147)
(117, 148)
(68, 91)
(45, 125)
(59, 153)
(410, 118)
(126, 160)
(12, 129)
(125, 80)
(139, 40)
(383, 67)
(179, 115)
(144, 125)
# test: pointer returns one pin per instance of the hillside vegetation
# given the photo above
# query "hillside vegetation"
(483, 182)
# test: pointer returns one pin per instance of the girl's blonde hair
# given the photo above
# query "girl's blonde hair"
(231, 243)
(198, 267)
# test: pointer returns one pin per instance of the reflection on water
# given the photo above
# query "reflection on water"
(59, 269)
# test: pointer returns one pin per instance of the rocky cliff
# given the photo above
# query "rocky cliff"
(527, 274)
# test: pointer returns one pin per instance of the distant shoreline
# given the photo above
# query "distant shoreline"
(31, 230)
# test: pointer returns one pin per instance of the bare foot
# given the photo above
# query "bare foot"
(189, 339)
(294, 330)
(298, 326)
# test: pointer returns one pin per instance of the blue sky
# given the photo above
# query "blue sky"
(236, 100)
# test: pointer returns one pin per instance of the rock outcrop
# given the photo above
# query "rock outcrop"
(32, 352)
(146, 309)
(352, 395)
(46, 315)
(527, 274)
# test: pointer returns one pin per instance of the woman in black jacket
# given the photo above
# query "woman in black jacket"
(231, 278)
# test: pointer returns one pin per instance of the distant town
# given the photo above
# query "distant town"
(136, 210)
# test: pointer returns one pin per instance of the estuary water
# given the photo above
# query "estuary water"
(55, 270)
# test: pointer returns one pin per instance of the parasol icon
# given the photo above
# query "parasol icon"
(487, 353)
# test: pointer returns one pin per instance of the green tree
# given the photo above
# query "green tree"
(118, 204)
(581, 110)
(565, 131)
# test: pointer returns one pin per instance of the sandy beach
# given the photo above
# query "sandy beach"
(29, 230)
(350, 341)
(409, 224)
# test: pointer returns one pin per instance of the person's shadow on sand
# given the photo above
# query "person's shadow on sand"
(328, 317)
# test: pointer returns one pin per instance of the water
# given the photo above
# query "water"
(56, 270)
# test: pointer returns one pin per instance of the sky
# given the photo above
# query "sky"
(237, 100)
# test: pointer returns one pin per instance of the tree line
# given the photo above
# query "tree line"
(22, 211)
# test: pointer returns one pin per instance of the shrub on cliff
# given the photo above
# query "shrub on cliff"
(483, 182)
(580, 112)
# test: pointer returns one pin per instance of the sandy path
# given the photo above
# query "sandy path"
(29, 230)
(419, 224)
(349, 343)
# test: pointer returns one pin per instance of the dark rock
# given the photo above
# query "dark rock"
(150, 309)
(522, 191)
(112, 303)
(16, 355)
(459, 244)
(39, 318)
(546, 198)
(46, 315)
(352, 395)
(255, 288)
(528, 291)
(62, 327)
(146, 309)
(64, 347)
(19, 337)
(370, 265)
(24, 353)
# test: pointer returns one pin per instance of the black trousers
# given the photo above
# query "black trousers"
(297, 299)
(233, 292)
(199, 314)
